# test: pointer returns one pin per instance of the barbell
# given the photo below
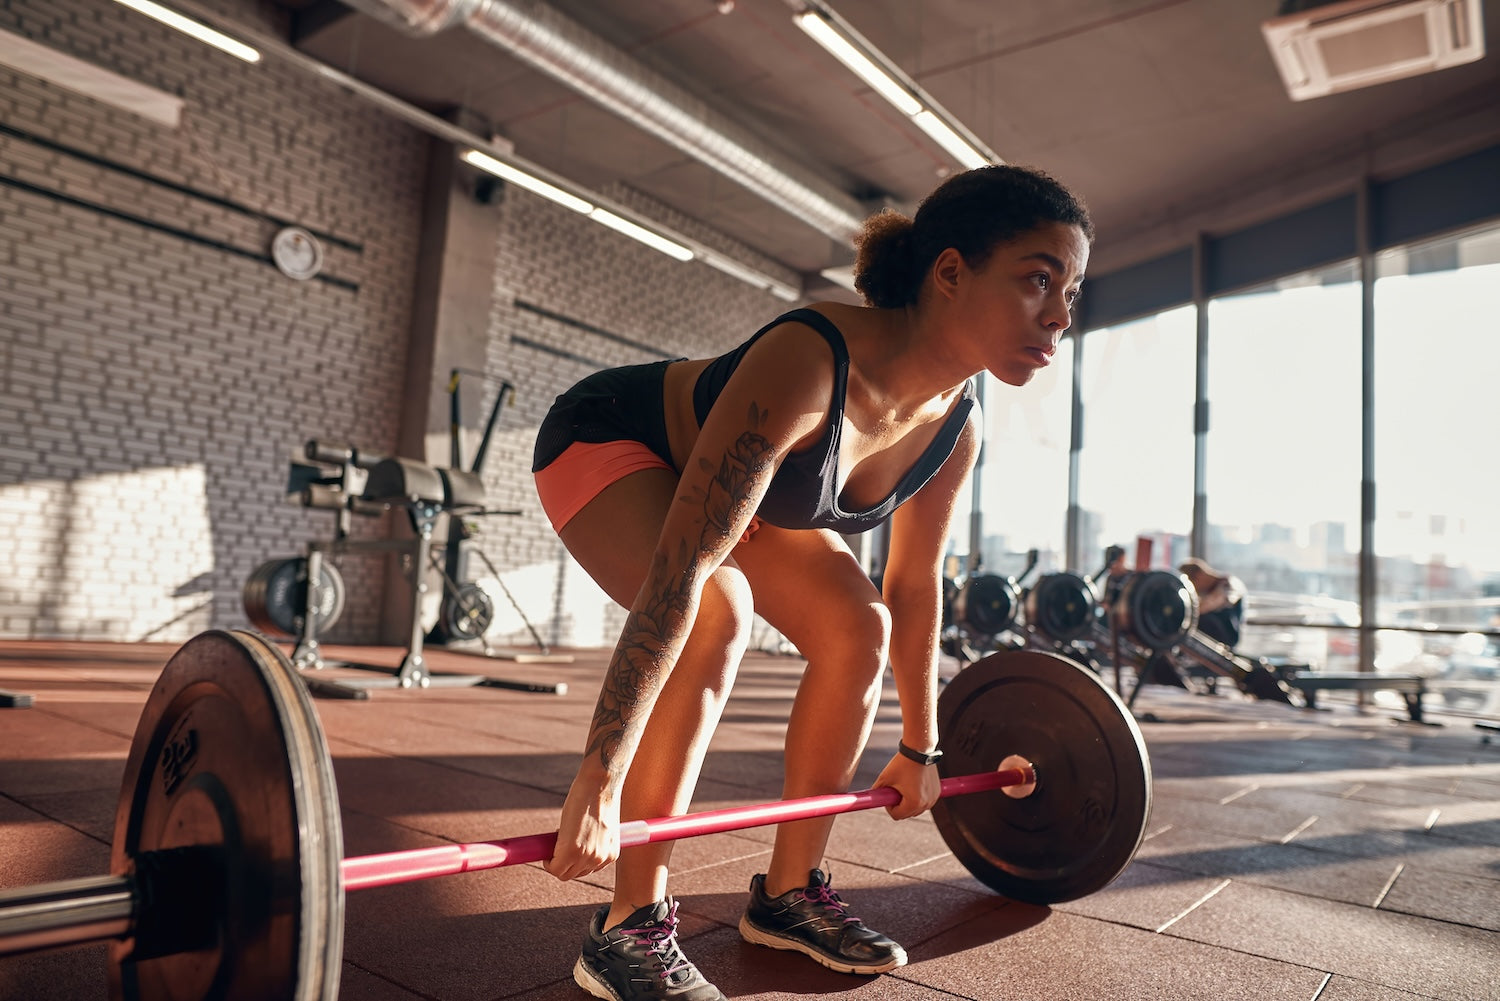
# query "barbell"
(227, 876)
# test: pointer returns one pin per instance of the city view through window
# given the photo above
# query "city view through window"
(1281, 461)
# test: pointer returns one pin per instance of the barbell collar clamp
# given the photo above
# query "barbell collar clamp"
(1022, 789)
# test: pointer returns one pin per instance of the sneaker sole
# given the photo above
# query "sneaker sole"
(584, 977)
(759, 936)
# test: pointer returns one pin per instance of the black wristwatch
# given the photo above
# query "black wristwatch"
(918, 756)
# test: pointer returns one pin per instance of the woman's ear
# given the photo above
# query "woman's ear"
(948, 272)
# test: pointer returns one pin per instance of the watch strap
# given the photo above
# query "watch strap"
(918, 756)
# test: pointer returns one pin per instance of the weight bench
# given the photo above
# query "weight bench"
(1411, 687)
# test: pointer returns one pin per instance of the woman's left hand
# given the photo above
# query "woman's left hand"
(918, 784)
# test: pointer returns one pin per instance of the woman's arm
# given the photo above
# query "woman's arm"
(777, 398)
(913, 590)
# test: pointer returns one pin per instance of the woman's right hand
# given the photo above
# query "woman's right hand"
(588, 836)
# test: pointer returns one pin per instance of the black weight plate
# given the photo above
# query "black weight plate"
(1157, 608)
(985, 604)
(275, 596)
(229, 756)
(1061, 606)
(468, 613)
(950, 592)
(1083, 824)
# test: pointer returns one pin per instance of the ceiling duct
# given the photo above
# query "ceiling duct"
(542, 38)
(1324, 48)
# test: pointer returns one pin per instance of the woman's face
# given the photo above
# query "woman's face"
(1020, 302)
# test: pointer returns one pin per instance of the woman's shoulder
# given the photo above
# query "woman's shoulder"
(812, 348)
(796, 345)
(842, 316)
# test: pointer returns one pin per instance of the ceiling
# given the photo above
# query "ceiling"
(1168, 115)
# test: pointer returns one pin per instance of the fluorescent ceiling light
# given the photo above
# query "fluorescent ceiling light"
(944, 136)
(521, 179)
(89, 80)
(552, 192)
(903, 95)
(635, 231)
(861, 65)
(750, 276)
(842, 277)
(202, 32)
(654, 240)
(735, 269)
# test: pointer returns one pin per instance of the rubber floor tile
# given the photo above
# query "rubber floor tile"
(1145, 896)
(1348, 989)
(1427, 957)
(1066, 956)
(1466, 900)
(1293, 867)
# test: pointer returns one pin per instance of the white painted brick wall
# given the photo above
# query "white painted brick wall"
(152, 387)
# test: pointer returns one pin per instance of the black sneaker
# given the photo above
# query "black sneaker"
(639, 958)
(814, 921)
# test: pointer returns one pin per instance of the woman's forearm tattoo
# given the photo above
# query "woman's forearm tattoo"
(655, 631)
(727, 497)
(640, 661)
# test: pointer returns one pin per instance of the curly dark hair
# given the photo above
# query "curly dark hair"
(972, 212)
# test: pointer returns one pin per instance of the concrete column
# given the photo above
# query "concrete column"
(452, 302)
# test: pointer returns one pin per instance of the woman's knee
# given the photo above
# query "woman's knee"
(726, 615)
(855, 631)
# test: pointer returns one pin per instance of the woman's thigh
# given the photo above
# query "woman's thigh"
(810, 587)
(614, 536)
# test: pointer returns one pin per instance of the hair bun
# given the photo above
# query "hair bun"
(884, 262)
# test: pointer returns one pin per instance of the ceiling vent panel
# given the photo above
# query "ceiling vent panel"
(1326, 48)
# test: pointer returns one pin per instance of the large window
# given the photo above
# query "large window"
(1024, 476)
(1437, 475)
(1282, 464)
(1136, 465)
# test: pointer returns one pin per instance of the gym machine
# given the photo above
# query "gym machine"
(302, 596)
(1143, 619)
(1154, 621)
(1053, 615)
(980, 612)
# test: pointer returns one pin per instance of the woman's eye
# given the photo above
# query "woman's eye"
(1043, 282)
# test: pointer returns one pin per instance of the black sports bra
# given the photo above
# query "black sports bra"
(804, 492)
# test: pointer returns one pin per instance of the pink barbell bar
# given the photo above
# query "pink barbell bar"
(363, 872)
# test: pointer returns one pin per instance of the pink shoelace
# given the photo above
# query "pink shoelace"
(824, 896)
(661, 942)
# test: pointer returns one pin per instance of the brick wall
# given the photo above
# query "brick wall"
(156, 370)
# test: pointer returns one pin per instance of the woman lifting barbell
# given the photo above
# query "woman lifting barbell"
(698, 493)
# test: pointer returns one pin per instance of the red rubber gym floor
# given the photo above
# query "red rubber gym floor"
(1339, 855)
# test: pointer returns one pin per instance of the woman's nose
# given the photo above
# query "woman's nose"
(1059, 314)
